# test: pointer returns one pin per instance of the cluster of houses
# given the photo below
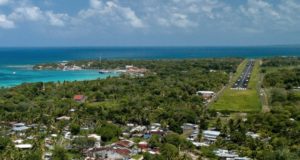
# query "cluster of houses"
(209, 137)
(125, 148)
(61, 66)
(129, 70)
(132, 70)
(192, 130)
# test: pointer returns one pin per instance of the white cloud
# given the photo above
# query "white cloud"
(130, 15)
(111, 13)
(187, 13)
(258, 9)
(27, 12)
(58, 19)
(96, 4)
(31, 13)
(265, 16)
(3, 2)
(6, 23)
(178, 20)
(251, 16)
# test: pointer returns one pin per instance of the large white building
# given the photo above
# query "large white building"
(211, 136)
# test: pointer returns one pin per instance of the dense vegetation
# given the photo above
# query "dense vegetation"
(281, 62)
(283, 78)
(165, 94)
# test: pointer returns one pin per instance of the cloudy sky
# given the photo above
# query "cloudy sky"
(149, 22)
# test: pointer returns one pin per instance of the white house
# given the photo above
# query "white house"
(97, 138)
(19, 127)
(225, 153)
(24, 146)
(207, 95)
(211, 135)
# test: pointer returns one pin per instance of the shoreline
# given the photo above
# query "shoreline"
(48, 76)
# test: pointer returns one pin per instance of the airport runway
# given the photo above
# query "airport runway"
(243, 80)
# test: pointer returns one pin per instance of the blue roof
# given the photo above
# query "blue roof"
(23, 128)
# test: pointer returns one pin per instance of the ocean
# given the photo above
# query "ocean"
(16, 63)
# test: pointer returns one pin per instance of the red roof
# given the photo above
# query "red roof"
(143, 145)
(125, 152)
(121, 151)
(78, 97)
(124, 143)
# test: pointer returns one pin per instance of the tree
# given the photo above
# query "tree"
(83, 142)
(154, 141)
(218, 124)
(169, 151)
(75, 128)
(278, 95)
(4, 141)
(175, 126)
(59, 153)
(100, 96)
(108, 131)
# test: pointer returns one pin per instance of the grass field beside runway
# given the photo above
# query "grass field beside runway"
(241, 100)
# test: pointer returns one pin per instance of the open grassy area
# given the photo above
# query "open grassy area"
(241, 101)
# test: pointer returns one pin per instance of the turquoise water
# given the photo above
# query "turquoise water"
(12, 76)
(20, 60)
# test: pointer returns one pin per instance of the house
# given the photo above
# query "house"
(143, 146)
(206, 95)
(210, 136)
(108, 153)
(124, 144)
(19, 127)
(54, 135)
(200, 144)
(23, 146)
(65, 118)
(154, 151)
(79, 98)
(97, 138)
(225, 153)
(157, 132)
(189, 126)
(147, 136)
(252, 135)
(135, 71)
(72, 110)
(138, 129)
(241, 158)
(48, 156)
(18, 141)
(229, 155)
(49, 143)
(191, 129)
(129, 66)
(130, 125)
(68, 135)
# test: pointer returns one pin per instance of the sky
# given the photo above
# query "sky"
(25, 23)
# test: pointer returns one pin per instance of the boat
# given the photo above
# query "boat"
(104, 71)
